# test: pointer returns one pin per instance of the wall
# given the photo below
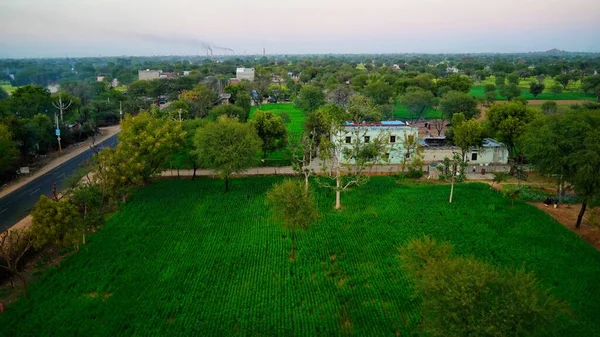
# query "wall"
(397, 150)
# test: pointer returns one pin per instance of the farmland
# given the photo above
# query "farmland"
(8, 88)
(573, 92)
(184, 258)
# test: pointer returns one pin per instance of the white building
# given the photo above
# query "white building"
(148, 75)
(245, 74)
(491, 152)
(391, 132)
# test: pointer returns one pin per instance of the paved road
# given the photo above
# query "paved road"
(16, 205)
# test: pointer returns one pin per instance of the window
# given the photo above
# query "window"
(348, 140)
(386, 156)
(367, 138)
(474, 156)
(407, 155)
(392, 139)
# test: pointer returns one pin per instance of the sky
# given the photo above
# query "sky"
(76, 28)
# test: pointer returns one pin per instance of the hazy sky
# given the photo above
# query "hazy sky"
(38, 28)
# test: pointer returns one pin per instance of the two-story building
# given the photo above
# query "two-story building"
(393, 133)
(245, 74)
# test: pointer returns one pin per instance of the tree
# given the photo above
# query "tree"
(30, 100)
(200, 100)
(380, 92)
(229, 111)
(508, 122)
(563, 79)
(466, 134)
(244, 101)
(88, 198)
(227, 147)
(14, 243)
(349, 153)
(310, 98)
(490, 92)
(145, 146)
(456, 82)
(513, 78)
(321, 121)
(549, 107)
(191, 128)
(589, 84)
(303, 151)
(536, 88)
(566, 145)
(339, 95)
(55, 223)
(556, 89)
(44, 129)
(417, 101)
(3, 94)
(510, 91)
(8, 149)
(292, 205)
(271, 129)
(466, 297)
(457, 102)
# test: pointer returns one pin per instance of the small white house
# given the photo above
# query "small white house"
(391, 132)
(245, 74)
(491, 152)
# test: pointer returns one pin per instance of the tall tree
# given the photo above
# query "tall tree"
(563, 79)
(380, 92)
(490, 92)
(30, 100)
(566, 145)
(292, 205)
(456, 82)
(271, 129)
(340, 95)
(507, 123)
(466, 134)
(55, 223)
(556, 89)
(244, 101)
(417, 101)
(510, 91)
(14, 243)
(227, 147)
(310, 98)
(8, 150)
(200, 100)
(536, 88)
(229, 111)
(457, 102)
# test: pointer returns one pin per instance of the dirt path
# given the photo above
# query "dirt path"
(567, 216)
(67, 154)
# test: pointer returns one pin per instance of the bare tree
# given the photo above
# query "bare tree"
(303, 154)
(13, 246)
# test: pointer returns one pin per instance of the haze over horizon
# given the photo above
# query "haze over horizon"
(36, 28)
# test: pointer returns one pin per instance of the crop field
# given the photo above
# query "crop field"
(182, 258)
(401, 112)
(573, 91)
(295, 126)
(8, 88)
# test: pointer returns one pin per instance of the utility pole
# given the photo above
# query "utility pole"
(180, 120)
(57, 133)
(61, 106)
(120, 111)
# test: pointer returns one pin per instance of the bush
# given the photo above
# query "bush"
(414, 173)
(466, 297)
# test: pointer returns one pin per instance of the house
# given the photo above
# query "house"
(114, 83)
(224, 98)
(245, 74)
(148, 75)
(186, 73)
(392, 132)
(99, 78)
(491, 151)
(233, 81)
(452, 70)
(167, 75)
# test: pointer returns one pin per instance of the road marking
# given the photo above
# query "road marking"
(61, 175)
(34, 191)
(4, 210)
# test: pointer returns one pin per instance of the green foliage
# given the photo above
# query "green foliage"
(292, 205)
(458, 102)
(55, 223)
(536, 88)
(549, 107)
(8, 150)
(30, 100)
(200, 99)
(417, 101)
(271, 129)
(456, 82)
(310, 98)
(225, 253)
(466, 297)
(228, 110)
(244, 101)
(227, 147)
(466, 134)
(500, 177)
(510, 91)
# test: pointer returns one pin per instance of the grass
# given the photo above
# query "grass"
(573, 91)
(184, 258)
(401, 112)
(8, 88)
(295, 127)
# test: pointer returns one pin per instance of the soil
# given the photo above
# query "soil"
(567, 216)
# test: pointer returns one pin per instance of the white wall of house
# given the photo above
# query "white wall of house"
(394, 135)
(245, 74)
(482, 155)
(147, 75)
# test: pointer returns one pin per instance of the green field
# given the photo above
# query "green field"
(401, 112)
(182, 258)
(573, 93)
(295, 127)
(8, 88)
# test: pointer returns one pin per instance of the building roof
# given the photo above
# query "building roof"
(489, 142)
(382, 123)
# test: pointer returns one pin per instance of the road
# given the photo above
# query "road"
(18, 204)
